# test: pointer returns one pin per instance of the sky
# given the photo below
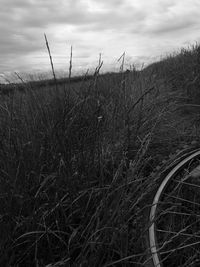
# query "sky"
(144, 29)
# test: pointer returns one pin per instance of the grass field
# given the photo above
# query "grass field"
(76, 159)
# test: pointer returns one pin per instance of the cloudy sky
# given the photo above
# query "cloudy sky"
(144, 29)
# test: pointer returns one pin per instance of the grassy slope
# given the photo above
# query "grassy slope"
(75, 162)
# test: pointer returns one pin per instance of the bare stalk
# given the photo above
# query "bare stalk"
(70, 74)
(51, 61)
(70, 65)
(122, 64)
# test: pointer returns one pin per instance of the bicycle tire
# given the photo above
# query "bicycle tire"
(162, 179)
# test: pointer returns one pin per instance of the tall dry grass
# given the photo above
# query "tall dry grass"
(74, 166)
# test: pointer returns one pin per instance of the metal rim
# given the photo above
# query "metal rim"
(152, 235)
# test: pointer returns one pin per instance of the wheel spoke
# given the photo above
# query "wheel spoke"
(183, 199)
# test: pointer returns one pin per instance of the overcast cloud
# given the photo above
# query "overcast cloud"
(145, 29)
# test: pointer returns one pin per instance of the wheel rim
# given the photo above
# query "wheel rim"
(154, 248)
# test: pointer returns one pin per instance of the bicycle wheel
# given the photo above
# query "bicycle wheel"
(174, 231)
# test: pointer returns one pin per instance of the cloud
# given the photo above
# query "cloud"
(172, 17)
(142, 28)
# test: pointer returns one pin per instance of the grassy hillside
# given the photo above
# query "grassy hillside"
(181, 71)
(76, 158)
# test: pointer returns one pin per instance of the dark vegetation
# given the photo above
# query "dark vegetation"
(76, 158)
